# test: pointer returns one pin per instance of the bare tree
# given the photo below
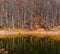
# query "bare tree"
(0, 16)
(7, 9)
(36, 13)
(31, 15)
(12, 22)
(55, 15)
(13, 14)
(47, 15)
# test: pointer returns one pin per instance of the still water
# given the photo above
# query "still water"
(30, 45)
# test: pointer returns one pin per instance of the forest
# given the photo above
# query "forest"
(29, 14)
(21, 22)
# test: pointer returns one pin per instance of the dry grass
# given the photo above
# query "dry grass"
(25, 33)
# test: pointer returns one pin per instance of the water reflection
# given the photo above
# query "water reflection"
(30, 45)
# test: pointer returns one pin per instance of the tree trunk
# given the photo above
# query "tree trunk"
(31, 27)
(12, 22)
(6, 20)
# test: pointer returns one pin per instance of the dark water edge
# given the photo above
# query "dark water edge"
(31, 45)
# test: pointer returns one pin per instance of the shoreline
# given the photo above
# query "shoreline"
(26, 33)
